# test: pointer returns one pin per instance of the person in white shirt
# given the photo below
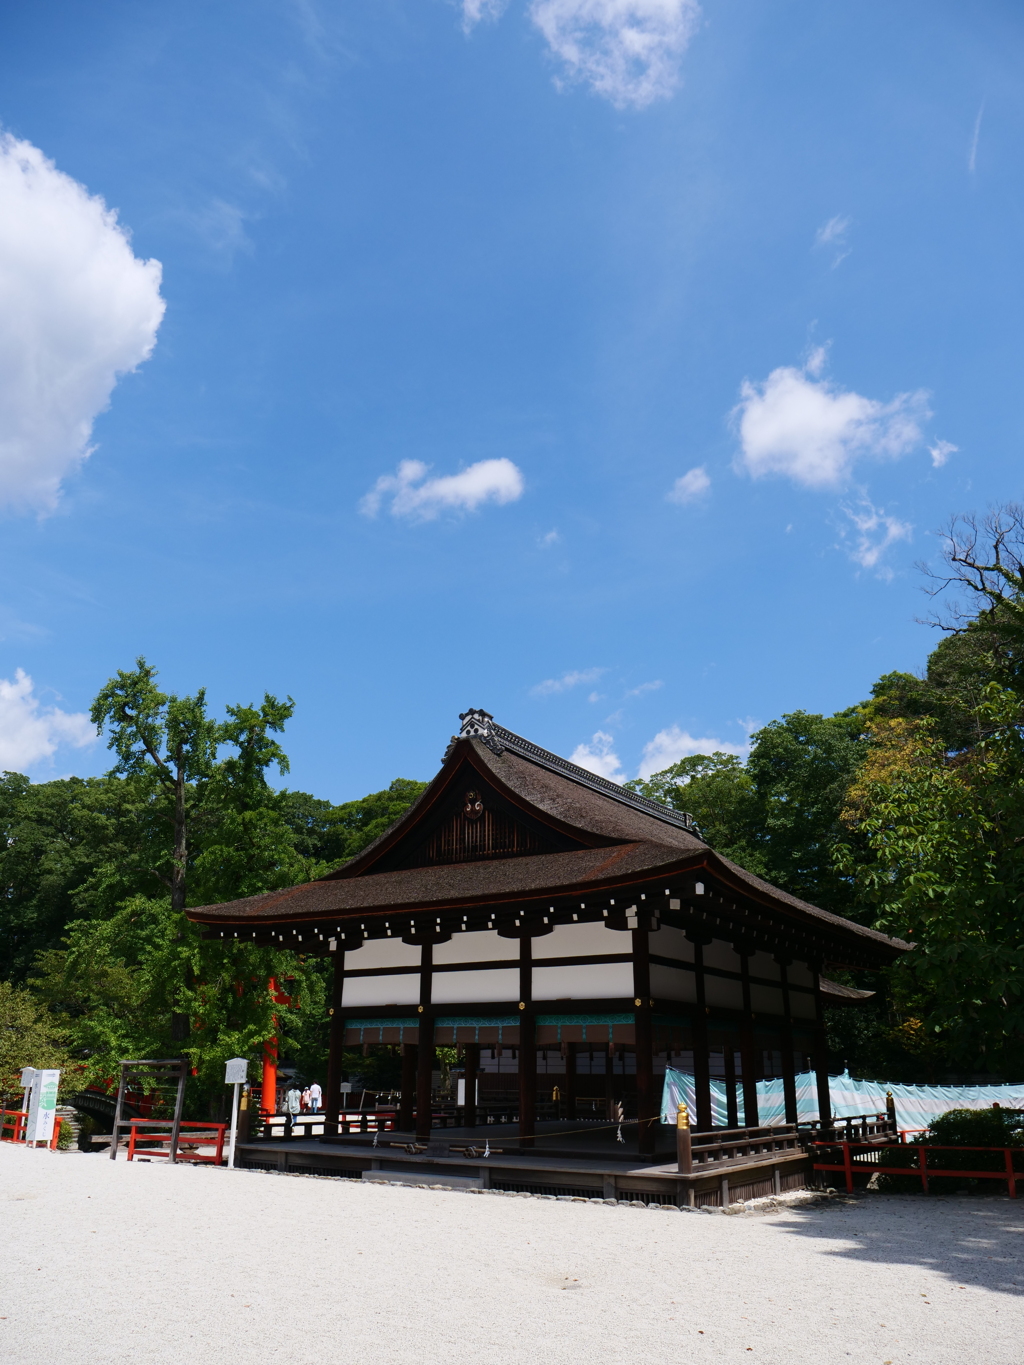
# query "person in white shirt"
(292, 1106)
(315, 1096)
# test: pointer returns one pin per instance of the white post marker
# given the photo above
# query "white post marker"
(236, 1073)
(28, 1077)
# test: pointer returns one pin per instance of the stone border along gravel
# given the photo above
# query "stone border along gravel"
(771, 1204)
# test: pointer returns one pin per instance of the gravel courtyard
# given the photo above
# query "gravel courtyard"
(141, 1263)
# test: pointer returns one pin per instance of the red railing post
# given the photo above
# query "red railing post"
(848, 1167)
(923, 1162)
(1011, 1178)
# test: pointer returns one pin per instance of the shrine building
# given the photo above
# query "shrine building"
(571, 939)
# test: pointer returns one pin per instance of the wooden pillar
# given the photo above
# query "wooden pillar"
(425, 1045)
(821, 1054)
(527, 1045)
(471, 1056)
(646, 1102)
(407, 1104)
(788, 1069)
(570, 1080)
(701, 1056)
(336, 1046)
(731, 1107)
(747, 1051)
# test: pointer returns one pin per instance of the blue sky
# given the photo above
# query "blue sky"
(597, 362)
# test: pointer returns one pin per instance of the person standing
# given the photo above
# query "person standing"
(292, 1106)
(315, 1097)
(305, 1100)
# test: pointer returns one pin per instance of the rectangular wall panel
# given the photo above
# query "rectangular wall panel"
(483, 945)
(725, 994)
(672, 983)
(765, 1000)
(580, 940)
(721, 954)
(764, 965)
(669, 942)
(381, 990)
(467, 988)
(596, 982)
(800, 975)
(382, 952)
(801, 1004)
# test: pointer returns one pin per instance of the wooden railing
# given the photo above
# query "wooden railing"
(856, 1157)
(152, 1137)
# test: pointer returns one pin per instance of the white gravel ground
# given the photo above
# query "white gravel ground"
(144, 1263)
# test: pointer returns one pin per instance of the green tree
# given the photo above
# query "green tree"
(168, 744)
(945, 870)
(331, 835)
(29, 1036)
(777, 815)
(718, 791)
(118, 985)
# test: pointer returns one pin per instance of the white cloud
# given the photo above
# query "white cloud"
(941, 451)
(30, 733)
(599, 757)
(669, 746)
(550, 538)
(550, 686)
(811, 431)
(644, 687)
(473, 11)
(690, 486)
(972, 158)
(875, 533)
(626, 50)
(833, 234)
(414, 495)
(833, 231)
(77, 309)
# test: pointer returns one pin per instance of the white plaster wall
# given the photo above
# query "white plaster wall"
(801, 1006)
(383, 952)
(466, 988)
(672, 983)
(765, 1000)
(381, 990)
(481, 945)
(720, 954)
(763, 964)
(580, 940)
(613, 979)
(669, 942)
(800, 974)
(725, 994)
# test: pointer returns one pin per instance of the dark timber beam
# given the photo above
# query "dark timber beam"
(701, 1056)
(425, 1059)
(747, 1050)
(336, 1046)
(646, 1102)
(788, 1067)
(821, 1054)
(407, 1103)
(527, 1046)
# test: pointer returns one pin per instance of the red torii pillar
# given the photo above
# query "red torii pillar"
(269, 1086)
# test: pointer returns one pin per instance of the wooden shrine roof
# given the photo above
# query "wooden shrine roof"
(573, 834)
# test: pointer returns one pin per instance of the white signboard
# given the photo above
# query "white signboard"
(236, 1071)
(42, 1106)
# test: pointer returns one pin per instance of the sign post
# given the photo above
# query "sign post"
(42, 1105)
(236, 1073)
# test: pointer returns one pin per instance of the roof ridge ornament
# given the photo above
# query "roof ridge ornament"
(477, 724)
